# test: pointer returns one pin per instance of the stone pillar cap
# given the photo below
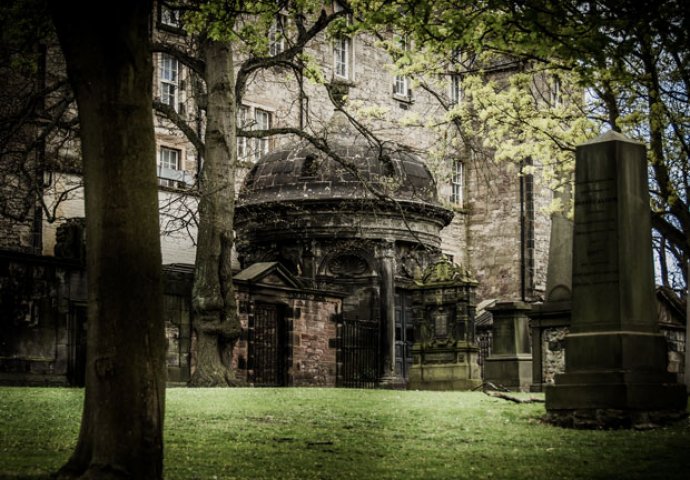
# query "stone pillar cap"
(611, 136)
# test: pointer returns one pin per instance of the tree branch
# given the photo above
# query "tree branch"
(169, 113)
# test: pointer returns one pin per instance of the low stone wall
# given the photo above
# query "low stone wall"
(676, 341)
(42, 306)
(310, 322)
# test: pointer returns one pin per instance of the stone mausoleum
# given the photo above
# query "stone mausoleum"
(362, 225)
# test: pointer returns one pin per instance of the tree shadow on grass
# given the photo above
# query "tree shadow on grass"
(37, 476)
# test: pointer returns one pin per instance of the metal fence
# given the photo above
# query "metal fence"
(359, 355)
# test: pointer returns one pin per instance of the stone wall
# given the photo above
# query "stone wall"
(553, 353)
(41, 306)
(43, 318)
(177, 285)
(676, 340)
(311, 324)
(494, 237)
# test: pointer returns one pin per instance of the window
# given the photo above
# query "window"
(169, 17)
(555, 95)
(262, 122)
(252, 119)
(341, 57)
(276, 36)
(401, 86)
(170, 158)
(242, 150)
(169, 78)
(456, 197)
(342, 49)
(455, 89)
(169, 167)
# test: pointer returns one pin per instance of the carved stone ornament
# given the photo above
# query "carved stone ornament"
(445, 271)
(348, 265)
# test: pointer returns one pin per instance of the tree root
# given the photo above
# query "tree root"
(513, 399)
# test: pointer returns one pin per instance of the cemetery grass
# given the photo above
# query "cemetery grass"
(335, 433)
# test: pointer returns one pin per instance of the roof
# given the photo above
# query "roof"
(364, 169)
(270, 273)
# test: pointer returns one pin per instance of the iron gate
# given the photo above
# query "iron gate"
(404, 334)
(267, 347)
(358, 357)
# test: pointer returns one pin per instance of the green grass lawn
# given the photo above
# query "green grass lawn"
(361, 434)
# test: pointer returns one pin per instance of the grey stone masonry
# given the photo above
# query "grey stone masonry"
(615, 373)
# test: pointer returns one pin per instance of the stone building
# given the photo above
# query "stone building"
(367, 226)
(393, 264)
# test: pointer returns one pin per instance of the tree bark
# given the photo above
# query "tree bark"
(109, 66)
(213, 298)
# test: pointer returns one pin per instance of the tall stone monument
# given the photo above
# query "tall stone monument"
(615, 374)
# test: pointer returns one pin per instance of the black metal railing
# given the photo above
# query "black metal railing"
(359, 354)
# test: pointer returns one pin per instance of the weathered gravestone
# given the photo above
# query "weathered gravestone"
(615, 373)
(549, 321)
(510, 362)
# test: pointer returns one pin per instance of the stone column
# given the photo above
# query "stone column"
(510, 362)
(390, 378)
(615, 371)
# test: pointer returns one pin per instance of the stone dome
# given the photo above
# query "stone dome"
(369, 191)
(363, 170)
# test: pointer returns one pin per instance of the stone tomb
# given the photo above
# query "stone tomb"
(615, 371)
(364, 222)
(510, 362)
(444, 353)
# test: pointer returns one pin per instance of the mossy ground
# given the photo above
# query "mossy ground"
(333, 434)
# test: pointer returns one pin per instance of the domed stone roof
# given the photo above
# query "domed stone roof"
(363, 169)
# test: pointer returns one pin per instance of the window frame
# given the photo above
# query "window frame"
(164, 162)
(342, 54)
(455, 89)
(165, 12)
(173, 71)
(276, 35)
(457, 183)
(261, 145)
(400, 86)
(555, 92)
(242, 142)
(252, 149)
(401, 83)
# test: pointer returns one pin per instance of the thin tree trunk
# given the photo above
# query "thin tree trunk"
(109, 67)
(213, 298)
(687, 327)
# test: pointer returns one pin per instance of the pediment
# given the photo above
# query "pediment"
(272, 274)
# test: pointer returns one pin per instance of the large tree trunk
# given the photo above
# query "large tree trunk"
(213, 297)
(109, 67)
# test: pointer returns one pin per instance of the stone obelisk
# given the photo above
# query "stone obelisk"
(615, 373)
